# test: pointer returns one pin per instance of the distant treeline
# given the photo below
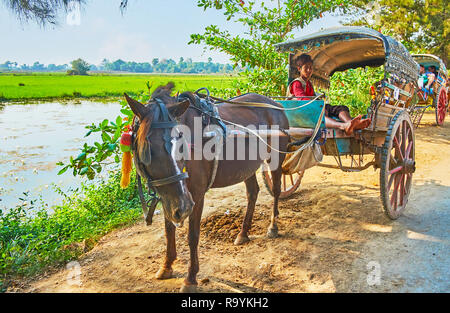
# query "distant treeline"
(36, 67)
(155, 66)
(167, 66)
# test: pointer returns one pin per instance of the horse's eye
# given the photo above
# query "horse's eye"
(180, 135)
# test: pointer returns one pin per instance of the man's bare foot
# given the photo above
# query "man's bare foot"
(363, 124)
(351, 125)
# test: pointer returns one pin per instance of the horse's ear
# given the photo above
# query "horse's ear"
(179, 108)
(138, 108)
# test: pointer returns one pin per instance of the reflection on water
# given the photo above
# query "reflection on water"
(34, 137)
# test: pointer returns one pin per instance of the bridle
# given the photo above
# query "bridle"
(162, 120)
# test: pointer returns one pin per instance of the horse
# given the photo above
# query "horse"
(182, 184)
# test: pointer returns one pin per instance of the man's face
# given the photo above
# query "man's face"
(422, 69)
(306, 70)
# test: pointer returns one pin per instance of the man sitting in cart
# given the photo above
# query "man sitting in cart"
(302, 88)
(427, 76)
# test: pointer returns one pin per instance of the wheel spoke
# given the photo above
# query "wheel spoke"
(397, 148)
(394, 199)
(292, 179)
(404, 137)
(408, 150)
(407, 132)
(284, 182)
(402, 189)
(395, 192)
(395, 170)
(391, 179)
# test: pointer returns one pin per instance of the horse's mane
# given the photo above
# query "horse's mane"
(163, 92)
(143, 149)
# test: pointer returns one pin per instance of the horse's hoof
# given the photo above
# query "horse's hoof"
(164, 273)
(240, 240)
(188, 289)
(272, 232)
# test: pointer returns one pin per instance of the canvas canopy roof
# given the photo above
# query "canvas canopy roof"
(342, 48)
(428, 60)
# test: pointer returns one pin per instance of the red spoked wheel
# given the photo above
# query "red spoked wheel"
(397, 165)
(440, 103)
(289, 183)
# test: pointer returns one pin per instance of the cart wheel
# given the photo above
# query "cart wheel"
(289, 183)
(397, 165)
(440, 104)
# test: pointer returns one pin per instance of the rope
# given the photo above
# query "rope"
(304, 146)
(266, 105)
(262, 105)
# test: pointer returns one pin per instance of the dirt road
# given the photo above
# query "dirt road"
(334, 238)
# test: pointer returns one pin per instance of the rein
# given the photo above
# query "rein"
(259, 104)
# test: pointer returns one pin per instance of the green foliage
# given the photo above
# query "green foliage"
(41, 11)
(352, 88)
(93, 158)
(265, 25)
(31, 238)
(79, 67)
(421, 25)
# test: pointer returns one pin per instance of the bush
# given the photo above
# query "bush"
(352, 88)
(31, 238)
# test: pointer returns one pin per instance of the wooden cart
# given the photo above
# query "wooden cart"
(437, 95)
(389, 138)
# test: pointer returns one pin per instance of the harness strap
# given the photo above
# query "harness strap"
(147, 210)
(168, 180)
(263, 105)
(166, 123)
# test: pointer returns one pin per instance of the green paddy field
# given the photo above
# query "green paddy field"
(18, 86)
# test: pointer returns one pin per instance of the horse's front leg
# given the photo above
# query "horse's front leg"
(166, 271)
(190, 283)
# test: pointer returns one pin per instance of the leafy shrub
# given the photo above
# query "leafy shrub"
(352, 88)
(31, 238)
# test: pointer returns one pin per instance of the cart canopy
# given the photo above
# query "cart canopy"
(342, 48)
(428, 60)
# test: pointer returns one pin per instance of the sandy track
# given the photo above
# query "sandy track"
(334, 238)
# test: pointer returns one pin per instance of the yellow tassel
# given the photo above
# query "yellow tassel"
(126, 170)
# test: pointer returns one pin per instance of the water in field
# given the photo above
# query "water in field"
(34, 137)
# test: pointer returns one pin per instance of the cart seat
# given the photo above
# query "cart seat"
(305, 116)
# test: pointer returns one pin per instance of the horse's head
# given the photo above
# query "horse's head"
(154, 152)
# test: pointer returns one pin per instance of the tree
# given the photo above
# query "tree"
(421, 25)
(265, 26)
(41, 11)
(37, 67)
(80, 67)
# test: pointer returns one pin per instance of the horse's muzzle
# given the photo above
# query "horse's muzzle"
(180, 210)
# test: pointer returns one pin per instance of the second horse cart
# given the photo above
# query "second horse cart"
(436, 96)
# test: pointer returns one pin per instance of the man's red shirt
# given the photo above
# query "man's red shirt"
(298, 91)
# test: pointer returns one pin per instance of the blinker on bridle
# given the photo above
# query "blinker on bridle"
(166, 123)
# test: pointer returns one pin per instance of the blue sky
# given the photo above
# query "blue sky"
(148, 29)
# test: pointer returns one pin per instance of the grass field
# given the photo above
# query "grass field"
(60, 85)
